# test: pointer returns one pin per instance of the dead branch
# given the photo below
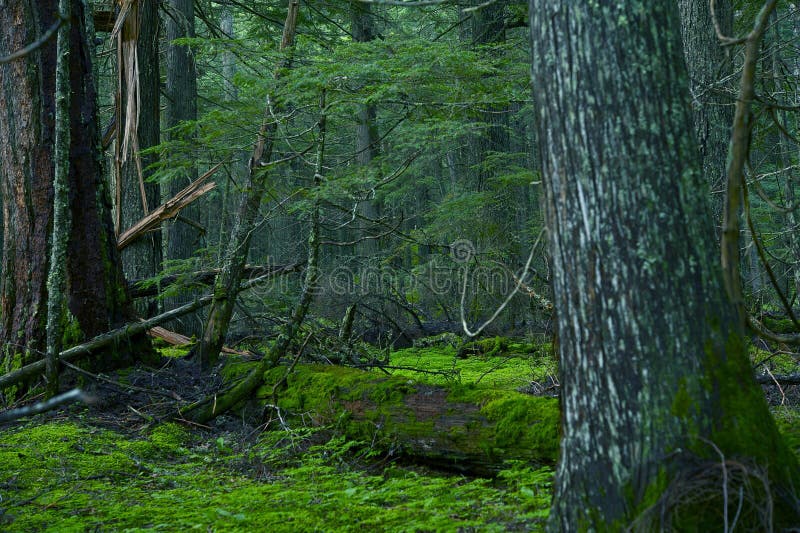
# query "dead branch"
(786, 379)
(75, 395)
(169, 209)
(206, 277)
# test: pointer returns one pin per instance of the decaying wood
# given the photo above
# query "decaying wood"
(176, 339)
(429, 423)
(168, 209)
(117, 335)
(170, 337)
(206, 277)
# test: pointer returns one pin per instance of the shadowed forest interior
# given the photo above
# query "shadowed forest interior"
(399, 265)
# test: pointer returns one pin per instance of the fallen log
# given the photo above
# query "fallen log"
(206, 277)
(457, 427)
(117, 335)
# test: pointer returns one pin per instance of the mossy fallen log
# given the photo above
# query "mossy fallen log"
(458, 427)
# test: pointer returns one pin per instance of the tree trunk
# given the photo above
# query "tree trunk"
(95, 286)
(57, 274)
(181, 105)
(362, 28)
(654, 367)
(709, 65)
(142, 258)
(227, 283)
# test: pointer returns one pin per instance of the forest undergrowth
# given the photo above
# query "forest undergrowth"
(119, 465)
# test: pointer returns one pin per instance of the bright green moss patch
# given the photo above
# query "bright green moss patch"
(174, 351)
(502, 364)
(66, 477)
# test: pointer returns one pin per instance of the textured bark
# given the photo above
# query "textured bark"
(95, 285)
(709, 66)
(142, 258)
(26, 155)
(653, 360)
(181, 105)
(57, 275)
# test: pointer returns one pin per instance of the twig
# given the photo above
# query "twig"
(783, 395)
(75, 395)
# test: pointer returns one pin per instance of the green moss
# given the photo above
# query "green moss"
(780, 325)
(65, 477)
(682, 401)
(175, 352)
(788, 421)
(73, 335)
(507, 369)
(525, 422)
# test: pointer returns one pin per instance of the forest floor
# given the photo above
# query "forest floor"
(116, 465)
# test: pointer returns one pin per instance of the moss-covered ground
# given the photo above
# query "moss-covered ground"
(514, 367)
(71, 472)
(70, 476)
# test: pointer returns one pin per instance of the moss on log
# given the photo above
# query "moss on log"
(458, 427)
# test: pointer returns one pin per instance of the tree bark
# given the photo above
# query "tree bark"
(709, 65)
(140, 32)
(655, 376)
(181, 106)
(95, 286)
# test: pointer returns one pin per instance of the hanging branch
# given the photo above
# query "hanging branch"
(56, 277)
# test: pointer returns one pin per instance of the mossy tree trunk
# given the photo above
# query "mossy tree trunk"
(227, 283)
(56, 278)
(95, 291)
(654, 365)
(212, 407)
